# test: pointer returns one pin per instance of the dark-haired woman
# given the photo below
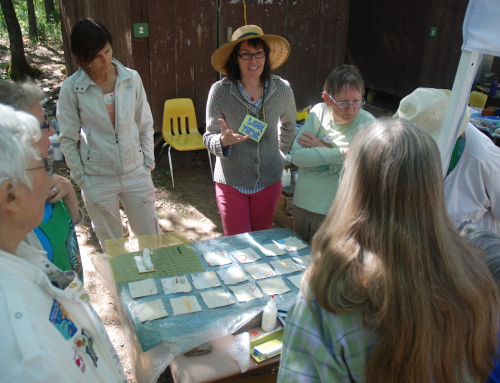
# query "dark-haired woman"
(248, 168)
(105, 103)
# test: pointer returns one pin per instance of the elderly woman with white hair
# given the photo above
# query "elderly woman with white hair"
(56, 234)
(471, 187)
(49, 331)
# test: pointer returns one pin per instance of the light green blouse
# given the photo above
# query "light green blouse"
(320, 168)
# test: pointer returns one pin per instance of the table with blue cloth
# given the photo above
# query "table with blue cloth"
(153, 344)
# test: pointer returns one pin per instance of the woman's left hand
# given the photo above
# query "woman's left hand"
(307, 140)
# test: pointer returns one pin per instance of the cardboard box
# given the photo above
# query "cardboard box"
(285, 203)
(284, 218)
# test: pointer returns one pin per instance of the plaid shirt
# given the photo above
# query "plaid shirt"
(319, 346)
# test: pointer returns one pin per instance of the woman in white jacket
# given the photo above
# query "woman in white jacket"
(105, 104)
(49, 331)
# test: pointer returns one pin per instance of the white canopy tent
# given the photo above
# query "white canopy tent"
(481, 32)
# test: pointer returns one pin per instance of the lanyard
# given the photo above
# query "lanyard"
(261, 111)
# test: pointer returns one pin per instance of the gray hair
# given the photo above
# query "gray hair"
(21, 96)
(18, 133)
(342, 76)
(487, 241)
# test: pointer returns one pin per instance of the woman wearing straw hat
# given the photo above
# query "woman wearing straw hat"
(250, 127)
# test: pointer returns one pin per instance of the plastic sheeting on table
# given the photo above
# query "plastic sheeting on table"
(153, 345)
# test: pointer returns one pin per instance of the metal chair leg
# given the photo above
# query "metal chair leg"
(211, 168)
(171, 169)
(161, 151)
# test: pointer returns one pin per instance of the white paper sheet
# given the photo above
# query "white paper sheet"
(273, 286)
(176, 285)
(292, 243)
(232, 275)
(217, 298)
(150, 310)
(205, 280)
(285, 266)
(272, 249)
(185, 305)
(296, 279)
(260, 271)
(143, 288)
(303, 261)
(247, 292)
(246, 255)
(217, 258)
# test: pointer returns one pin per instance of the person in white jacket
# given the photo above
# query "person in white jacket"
(471, 186)
(48, 330)
(104, 104)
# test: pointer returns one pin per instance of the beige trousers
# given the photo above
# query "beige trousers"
(137, 194)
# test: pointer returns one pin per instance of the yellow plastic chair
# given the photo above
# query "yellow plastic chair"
(478, 99)
(180, 130)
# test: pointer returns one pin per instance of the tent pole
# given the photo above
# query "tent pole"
(467, 68)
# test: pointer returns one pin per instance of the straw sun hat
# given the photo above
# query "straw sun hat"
(279, 49)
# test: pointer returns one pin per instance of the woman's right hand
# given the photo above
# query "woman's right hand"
(228, 137)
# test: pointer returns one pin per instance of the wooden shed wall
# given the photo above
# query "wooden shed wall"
(183, 34)
(389, 41)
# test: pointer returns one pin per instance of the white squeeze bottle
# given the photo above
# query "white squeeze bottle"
(269, 316)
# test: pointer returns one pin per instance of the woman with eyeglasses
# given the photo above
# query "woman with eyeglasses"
(56, 235)
(49, 331)
(320, 148)
(250, 128)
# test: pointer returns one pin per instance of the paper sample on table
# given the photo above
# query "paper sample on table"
(185, 305)
(272, 249)
(142, 288)
(232, 275)
(247, 292)
(260, 271)
(292, 243)
(285, 266)
(205, 280)
(296, 279)
(217, 298)
(217, 258)
(246, 255)
(176, 285)
(150, 310)
(303, 261)
(273, 286)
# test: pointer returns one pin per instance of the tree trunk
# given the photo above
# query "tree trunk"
(19, 67)
(49, 8)
(32, 20)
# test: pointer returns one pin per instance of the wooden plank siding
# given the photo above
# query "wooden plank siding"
(389, 41)
(174, 61)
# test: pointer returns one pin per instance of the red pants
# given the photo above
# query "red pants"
(242, 213)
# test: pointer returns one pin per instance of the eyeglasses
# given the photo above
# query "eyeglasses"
(248, 56)
(345, 105)
(48, 165)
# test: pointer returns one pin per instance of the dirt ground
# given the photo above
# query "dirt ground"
(189, 209)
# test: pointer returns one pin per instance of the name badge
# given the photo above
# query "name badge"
(253, 127)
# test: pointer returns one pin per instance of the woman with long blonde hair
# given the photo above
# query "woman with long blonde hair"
(393, 293)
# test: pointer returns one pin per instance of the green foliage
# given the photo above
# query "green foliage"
(45, 30)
